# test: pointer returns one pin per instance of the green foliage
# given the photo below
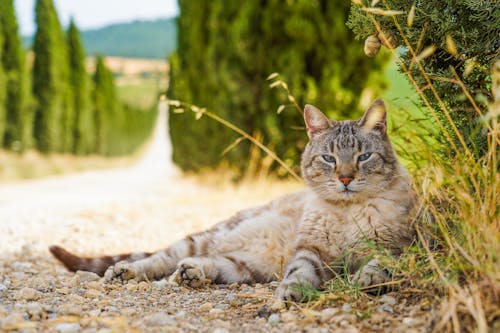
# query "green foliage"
(54, 118)
(105, 105)
(83, 130)
(227, 49)
(18, 120)
(3, 90)
(465, 36)
(119, 129)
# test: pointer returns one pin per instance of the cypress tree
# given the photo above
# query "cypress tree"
(18, 121)
(227, 49)
(3, 89)
(54, 120)
(106, 108)
(79, 81)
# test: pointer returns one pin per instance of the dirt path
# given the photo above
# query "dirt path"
(144, 208)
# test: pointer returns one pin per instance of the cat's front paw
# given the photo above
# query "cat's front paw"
(371, 274)
(289, 290)
(122, 271)
(190, 275)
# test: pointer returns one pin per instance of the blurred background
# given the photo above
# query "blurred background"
(81, 81)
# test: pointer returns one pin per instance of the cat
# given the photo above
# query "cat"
(357, 193)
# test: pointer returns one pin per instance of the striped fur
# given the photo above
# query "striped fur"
(357, 191)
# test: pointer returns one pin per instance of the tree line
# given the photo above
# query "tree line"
(227, 49)
(51, 103)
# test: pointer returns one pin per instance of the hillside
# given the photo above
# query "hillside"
(139, 39)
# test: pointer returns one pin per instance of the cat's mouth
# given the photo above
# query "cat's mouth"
(347, 191)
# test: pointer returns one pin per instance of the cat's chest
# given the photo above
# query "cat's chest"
(337, 226)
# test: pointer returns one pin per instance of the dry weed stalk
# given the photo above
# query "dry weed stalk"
(461, 194)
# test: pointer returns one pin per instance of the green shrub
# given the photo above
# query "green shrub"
(456, 41)
(226, 49)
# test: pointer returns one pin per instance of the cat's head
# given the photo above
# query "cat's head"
(348, 160)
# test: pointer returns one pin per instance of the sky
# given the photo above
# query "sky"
(89, 14)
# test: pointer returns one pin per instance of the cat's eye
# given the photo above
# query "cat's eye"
(364, 157)
(328, 158)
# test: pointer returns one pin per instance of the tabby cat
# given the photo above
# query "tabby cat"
(357, 193)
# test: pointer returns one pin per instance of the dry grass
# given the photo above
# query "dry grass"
(457, 255)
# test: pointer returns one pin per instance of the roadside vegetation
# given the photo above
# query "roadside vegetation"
(446, 130)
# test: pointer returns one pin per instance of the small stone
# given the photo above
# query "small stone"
(159, 285)
(12, 322)
(92, 293)
(68, 328)
(159, 319)
(70, 309)
(96, 285)
(34, 310)
(215, 312)
(21, 266)
(220, 330)
(346, 307)
(263, 312)
(6, 282)
(109, 275)
(143, 286)
(230, 297)
(94, 312)
(233, 286)
(206, 307)
(87, 276)
(327, 314)
(180, 314)
(112, 309)
(386, 308)
(277, 305)
(74, 281)
(409, 321)
(128, 312)
(386, 299)
(45, 282)
(274, 319)
(63, 290)
(28, 294)
(18, 275)
(222, 306)
(3, 288)
(377, 318)
(287, 317)
(131, 286)
(274, 284)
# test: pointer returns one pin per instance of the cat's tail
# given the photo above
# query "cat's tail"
(98, 265)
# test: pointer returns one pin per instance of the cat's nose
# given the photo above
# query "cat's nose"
(346, 179)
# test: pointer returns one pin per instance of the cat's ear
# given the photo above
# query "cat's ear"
(315, 120)
(374, 118)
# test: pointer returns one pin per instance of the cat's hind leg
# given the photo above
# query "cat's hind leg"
(223, 269)
(158, 265)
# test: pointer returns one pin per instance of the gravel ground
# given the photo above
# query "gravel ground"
(145, 208)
